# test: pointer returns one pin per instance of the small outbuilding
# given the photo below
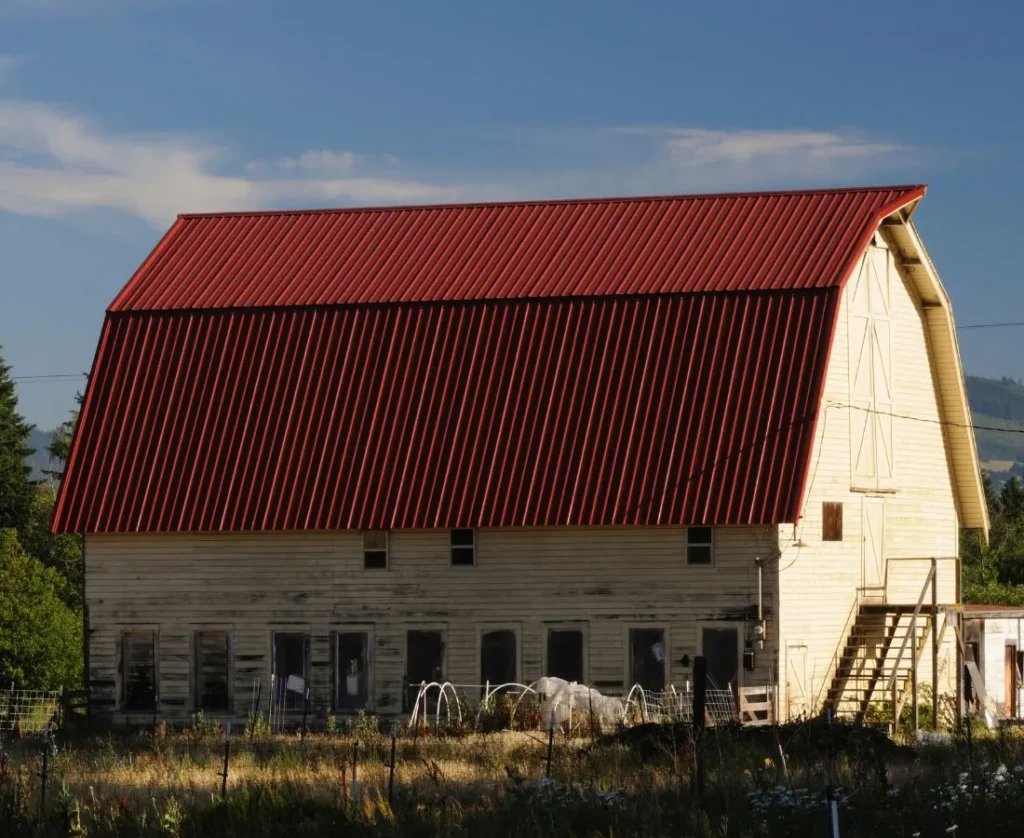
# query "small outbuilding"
(994, 636)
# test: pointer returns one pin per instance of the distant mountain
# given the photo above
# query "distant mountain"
(39, 460)
(998, 403)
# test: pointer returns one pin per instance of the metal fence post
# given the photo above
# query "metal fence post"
(700, 686)
(391, 773)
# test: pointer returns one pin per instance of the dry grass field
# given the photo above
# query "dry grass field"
(636, 782)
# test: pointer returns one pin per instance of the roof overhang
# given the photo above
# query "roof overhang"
(954, 409)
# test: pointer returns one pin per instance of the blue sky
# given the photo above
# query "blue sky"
(117, 114)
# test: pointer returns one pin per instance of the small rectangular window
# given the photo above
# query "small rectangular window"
(138, 681)
(699, 545)
(353, 670)
(424, 662)
(213, 671)
(565, 654)
(498, 657)
(831, 521)
(463, 546)
(375, 549)
(648, 657)
(291, 651)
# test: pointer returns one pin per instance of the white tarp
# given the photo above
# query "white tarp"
(568, 699)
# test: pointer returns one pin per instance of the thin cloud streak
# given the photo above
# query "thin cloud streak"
(54, 162)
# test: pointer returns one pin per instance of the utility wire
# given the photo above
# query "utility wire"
(993, 325)
(929, 421)
(65, 376)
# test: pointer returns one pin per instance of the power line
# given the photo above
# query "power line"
(929, 421)
(993, 325)
(64, 376)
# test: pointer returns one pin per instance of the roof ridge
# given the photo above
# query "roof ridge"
(610, 199)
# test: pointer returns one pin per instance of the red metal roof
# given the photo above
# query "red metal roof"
(608, 410)
(680, 244)
(555, 363)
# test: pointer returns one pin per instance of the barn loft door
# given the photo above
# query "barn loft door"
(873, 555)
(871, 383)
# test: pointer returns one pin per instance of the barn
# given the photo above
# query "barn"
(358, 449)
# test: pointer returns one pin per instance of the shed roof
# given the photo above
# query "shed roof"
(612, 362)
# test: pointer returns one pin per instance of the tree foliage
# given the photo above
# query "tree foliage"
(16, 487)
(993, 573)
(40, 636)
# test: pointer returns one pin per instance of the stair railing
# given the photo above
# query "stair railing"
(833, 667)
(891, 686)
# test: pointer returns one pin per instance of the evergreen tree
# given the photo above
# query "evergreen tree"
(1011, 499)
(16, 487)
(59, 448)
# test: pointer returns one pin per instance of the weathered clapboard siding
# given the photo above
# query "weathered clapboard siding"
(819, 580)
(606, 579)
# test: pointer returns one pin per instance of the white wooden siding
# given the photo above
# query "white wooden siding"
(608, 579)
(914, 501)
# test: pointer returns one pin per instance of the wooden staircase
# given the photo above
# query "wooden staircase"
(878, 662)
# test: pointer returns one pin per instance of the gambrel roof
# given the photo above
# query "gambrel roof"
(590, 362)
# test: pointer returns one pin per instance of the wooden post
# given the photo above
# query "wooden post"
(961, 699)
(913, 669)
(391, 774)
(305, 715)
(700, 686)
(551, 742)
(935, 644)
(227, 757)
(43, 776)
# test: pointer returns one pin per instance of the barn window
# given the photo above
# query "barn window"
(213, 671)
(353, 670)
(699, 545)
(375, 549)
(647, 658)
(463, 546)
(290, 650)
(498, 657)
(424, 662)
(138, 681)
(565, 654)
(831, 521)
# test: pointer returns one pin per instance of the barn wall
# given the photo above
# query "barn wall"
(820, 580)
(606, 579)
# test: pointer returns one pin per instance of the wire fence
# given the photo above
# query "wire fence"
(569, 705)
(28, 712)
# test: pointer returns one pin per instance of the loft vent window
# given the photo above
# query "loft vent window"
(700, 545)
(291, 653)
(375, 549)
(138, 678)
(565, 654)
(424, 662)
(213, 671)
(831, 521)
(498, 657)
(353, 663)
(463, 547)
(648, 657)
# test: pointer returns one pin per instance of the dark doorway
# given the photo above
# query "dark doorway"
(424, 661)
(647, 658)
(722, 653)
(353, 670)
(213, 671)
(565, 654)
(290, 654)
(498, 657)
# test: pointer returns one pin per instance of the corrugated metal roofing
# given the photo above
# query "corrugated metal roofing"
(680, 244)
(643, 410)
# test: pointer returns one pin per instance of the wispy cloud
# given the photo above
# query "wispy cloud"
(694, 157)
(7, 63)
(52, 162)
